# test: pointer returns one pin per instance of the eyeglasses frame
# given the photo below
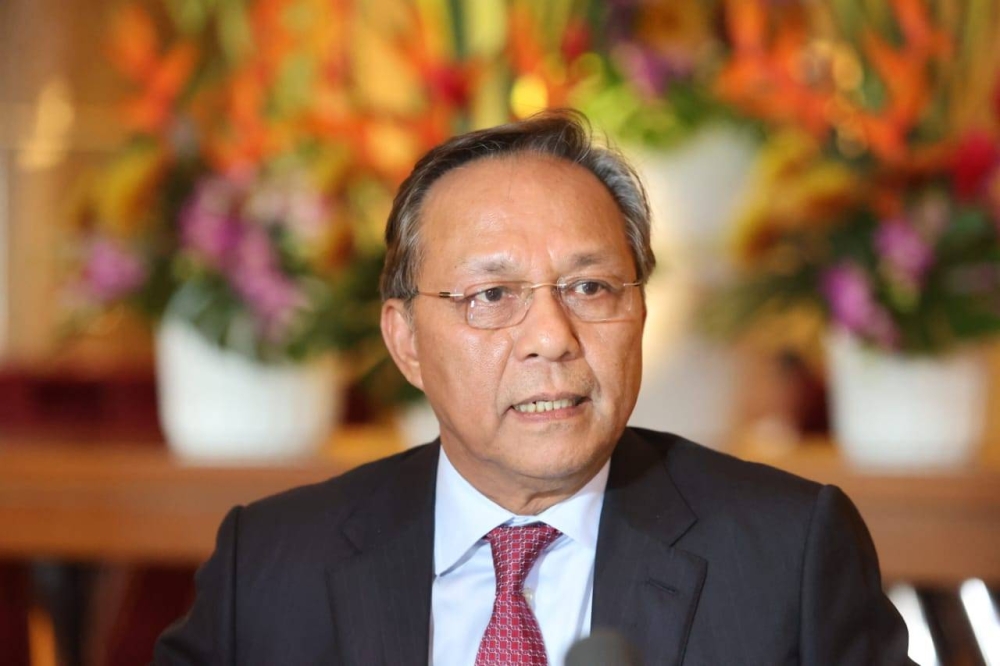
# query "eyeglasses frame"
(459, 297)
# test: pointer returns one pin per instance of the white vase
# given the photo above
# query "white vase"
(893, 412)
(690, 383)
(218, 404)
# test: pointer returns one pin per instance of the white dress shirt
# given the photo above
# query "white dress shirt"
(559, 588)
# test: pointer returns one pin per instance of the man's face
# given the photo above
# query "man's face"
(536, 219)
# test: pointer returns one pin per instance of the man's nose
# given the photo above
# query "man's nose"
(548, 330)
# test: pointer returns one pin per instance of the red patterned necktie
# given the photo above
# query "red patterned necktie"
(513, 636)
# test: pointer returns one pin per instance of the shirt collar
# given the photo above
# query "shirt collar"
(463, 515)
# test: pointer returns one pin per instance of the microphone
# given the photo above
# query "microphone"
(604, 647)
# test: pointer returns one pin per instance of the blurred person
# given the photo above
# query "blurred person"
(513, 297)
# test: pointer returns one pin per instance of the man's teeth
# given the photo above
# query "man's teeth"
(544, 405)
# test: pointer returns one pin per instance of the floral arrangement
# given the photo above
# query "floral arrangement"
(230, 187)
(659, 60)
(265, 139)
(876, 201)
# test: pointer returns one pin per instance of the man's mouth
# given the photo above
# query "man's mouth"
(536, 406)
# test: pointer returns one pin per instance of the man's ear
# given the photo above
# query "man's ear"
(400, 339)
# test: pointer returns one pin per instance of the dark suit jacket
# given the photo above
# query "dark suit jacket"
(701, 559)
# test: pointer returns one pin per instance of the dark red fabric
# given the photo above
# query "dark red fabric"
(14, 601)
(512, 635)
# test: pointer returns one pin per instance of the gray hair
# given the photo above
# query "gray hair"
(563, 134)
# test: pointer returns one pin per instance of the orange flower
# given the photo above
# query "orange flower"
(134, 49)
(746, 21)
(766, 76)
(133, 44)
(782, 72)
(152, 109)
(905, 73)
(916, 25)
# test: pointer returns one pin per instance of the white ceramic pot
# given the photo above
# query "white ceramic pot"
(218, 404)
(895, 412)
(690, 384)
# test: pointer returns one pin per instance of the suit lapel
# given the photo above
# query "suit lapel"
(643, 586)
(380, 593)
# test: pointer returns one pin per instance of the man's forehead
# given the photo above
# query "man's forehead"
(504, 263)
(522, 218)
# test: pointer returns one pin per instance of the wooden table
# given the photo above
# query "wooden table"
(138, 504)
(66, 503)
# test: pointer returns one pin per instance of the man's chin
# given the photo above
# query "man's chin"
(569, 462)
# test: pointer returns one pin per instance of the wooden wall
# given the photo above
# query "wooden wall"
(56, 120)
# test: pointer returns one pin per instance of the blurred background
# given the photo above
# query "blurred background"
(192, 200)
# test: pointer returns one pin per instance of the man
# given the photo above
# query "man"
(513, 297)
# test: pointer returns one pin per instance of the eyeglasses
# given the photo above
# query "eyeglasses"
(500, 304)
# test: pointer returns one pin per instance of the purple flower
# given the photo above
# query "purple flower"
(254, 252)
(212, 237)
(292, 203)
(853, 306)
(906, 254)
(272, 296)
(111, 271)
(228, 224)
(209, 222)
(652, 72)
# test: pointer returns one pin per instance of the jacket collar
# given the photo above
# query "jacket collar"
(380, 587)
(645, 587)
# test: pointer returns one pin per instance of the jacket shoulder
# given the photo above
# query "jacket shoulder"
(330, 502)
(733, 498)
(703, 474)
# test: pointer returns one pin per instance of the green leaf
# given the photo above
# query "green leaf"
(190, 16)
(293, 88)
(233, 27)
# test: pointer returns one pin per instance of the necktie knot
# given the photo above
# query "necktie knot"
(515, 550)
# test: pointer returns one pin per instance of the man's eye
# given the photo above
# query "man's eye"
(493, 294)
(588, 288)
